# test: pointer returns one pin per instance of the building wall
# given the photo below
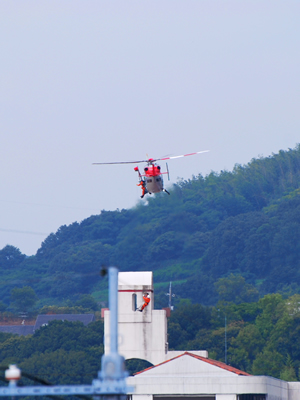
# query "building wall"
(141, 335)
(199, 397)
(224, 388)
(187, 376)
(294, 390)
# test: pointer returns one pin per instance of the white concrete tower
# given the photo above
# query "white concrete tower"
(141, 334)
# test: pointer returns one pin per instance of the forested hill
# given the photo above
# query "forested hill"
(229, 236)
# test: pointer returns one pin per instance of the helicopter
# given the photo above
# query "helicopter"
(151, 181)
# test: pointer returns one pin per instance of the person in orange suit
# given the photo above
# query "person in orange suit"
(146, 298)
(143, 186)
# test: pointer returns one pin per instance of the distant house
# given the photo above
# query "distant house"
(43, 320)
(21, 330)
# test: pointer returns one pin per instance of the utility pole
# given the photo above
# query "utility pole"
(111, 382)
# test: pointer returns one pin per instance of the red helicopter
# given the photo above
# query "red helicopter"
(151, 181)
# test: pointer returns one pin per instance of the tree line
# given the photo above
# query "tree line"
(262, 338)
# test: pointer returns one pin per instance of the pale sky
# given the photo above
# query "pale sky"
(85, 81)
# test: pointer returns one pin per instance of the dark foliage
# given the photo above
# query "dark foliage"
(61, 353)
(134, 365)
(262, 337)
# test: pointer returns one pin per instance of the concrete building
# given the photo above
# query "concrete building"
(191, 377)
(179, 375)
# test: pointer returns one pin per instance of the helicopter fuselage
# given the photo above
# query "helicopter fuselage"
(153, 179)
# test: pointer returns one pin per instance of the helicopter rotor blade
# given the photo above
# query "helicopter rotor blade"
(121, 162)
(150, 160)
(183, 155)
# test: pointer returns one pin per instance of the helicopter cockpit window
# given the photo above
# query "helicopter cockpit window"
(149, 180)
(158, 179)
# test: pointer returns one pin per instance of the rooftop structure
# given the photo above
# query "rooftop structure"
(21, 330)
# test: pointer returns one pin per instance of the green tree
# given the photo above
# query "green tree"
(166, 246)
(235, 289)
(3, 307)
(60, 344)
(185, 322)
(64, 367)
(288, 373)
(88, 302)
(269, 362)
(10, 257)
(23, 299)
(245, 347)
(273, 308)
(134, 365)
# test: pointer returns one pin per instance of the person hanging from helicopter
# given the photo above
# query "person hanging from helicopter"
(143, 186)
(147, 299)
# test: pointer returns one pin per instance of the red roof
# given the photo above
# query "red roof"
(207, 360)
